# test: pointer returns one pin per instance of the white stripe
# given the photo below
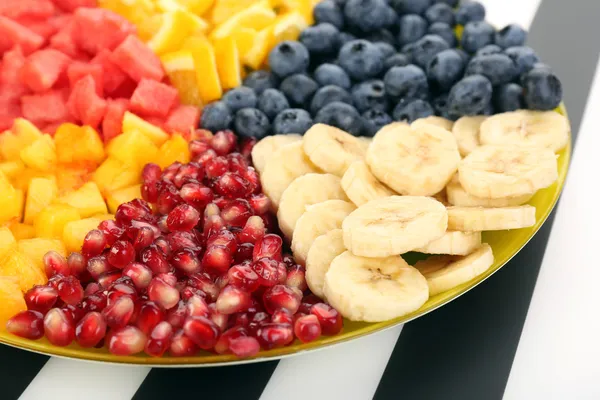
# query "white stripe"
(558, 354)
(62, 379)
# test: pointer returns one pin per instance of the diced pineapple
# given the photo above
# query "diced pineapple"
(74, 232)
(11, 201)
(7, 241)
(22, 231)
(12, 168)
(132, 122)
(40, 154)
(40, 194)
(78, 145)
(118, 197)
(51, 221)
(11, 299)
(23, 179)
(69, 178)
(132, 147)
(18, 265)
(174, 149)
(36, 248)
(87, 200)
(113, 174)
(21, 135)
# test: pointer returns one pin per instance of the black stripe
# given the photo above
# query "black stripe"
(466, 349)
(17, 370)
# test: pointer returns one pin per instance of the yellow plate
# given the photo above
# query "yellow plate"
(506, 244)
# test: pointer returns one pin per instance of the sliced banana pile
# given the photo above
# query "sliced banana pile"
(350, 207)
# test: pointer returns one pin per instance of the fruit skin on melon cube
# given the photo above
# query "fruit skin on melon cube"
(121, 147)
(42, 69)
(87, 200)
(13, 33)
(112, 123)
(21, 135)
(74, 232)
(174, 149)
(51, 221)
(11, 299)
(182, 119)
(85, 104)
(78, 70)
(97, 29)
(80, 145)
(47, 107)
(7, 241)
(132, 122)
(118, 197)
(40, 194)
(35, 249)
(114, 174)
(154, 99)
(40, 154)
(137, 60)
(17, 265)
(113, 75)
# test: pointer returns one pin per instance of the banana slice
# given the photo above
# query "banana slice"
(332, 149)
(458, 196)
(473, 219)
(547, 129)
(446, 272)
(361, 186)
(322, 252)
(466, 132)
(394, 225)
(454, 243)
(416, 161)
(305, 191)
(435, 120)
(441, 197)
(318, 219)
(365, 141)
(286, 164)
(494, 172)
(374, 289)
(264, 149)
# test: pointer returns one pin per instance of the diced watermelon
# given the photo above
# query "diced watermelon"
(112, 125)
(13, 33)
(45, 107)
(97, 29)
(39, 26)
(12, 62)
(153, 99)
(182, 119)
(113, 75)
(72, 5)
(137, 60)
(78, 70)
(43, 68)
(15, 9)
(51, 128)
(85, 104)
(9, 106)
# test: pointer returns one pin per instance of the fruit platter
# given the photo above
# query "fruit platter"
(210, 182)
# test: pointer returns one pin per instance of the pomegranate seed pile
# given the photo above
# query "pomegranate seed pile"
(199, 269)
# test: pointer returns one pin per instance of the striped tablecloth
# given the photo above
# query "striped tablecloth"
(532, 331)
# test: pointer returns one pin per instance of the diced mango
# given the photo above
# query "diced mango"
(7, 241)
(23, 179)
(118, 197)
(179, 66)
(40, 194)
(22, 231)
(133, 10)
(40, 154)
(74, 232)
(11, 299)
(11, 201)
(78, 145)
(224, 9)
(205, 62)
(176, 25)
(21, 135)
(228, 62)
(198, 7)
(174, 149)
(132, 122)
(17, 265)
(147, 27)
(51, 221)
(257, 55)
(114, 174)
(288, 26)
(87, 200)
(69, 178)
(144, 150)
(35, 249)
(257, 16)
(12, 168)
(244, 40)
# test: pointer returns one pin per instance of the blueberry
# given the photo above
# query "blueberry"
(374, 120)
(406, 82)
(368, 15)
(445, 69)
(341, 115)
(216, 117)
(345, 37)
(472, 11)
(251, 122)
(440, 12)
(320, 39)
(440, 103)
(489, 49)
(361, 59)
(272, 102)
(331, 74)
(488, 109)
(510, 36)
(476, 35)
(292, 120)
(524, 58)
(386, 49)
(329, 11)
(451, 3)
(445, 31)
(370, 95)
(384, 36)
(261, 80)
(412, 110)
(426, 48)
(543, 90)
(397, 60)
(463, 54)
(498, 68)
(403, 7)
(298, 89)
(508, 97)
(470, 96)
(240, 97)
(329, 94)
(288, 58)
(411, 28)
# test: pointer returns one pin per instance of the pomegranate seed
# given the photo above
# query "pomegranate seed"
(241, 319)
(162, 293)
(269, 246)
(223, 142)
(181, 345)
(270, 272)
(329, 318)
(169, 172)
(197, 148)
(188, 173)
(154, 259)
(55, 264)
(251, 176)
(150, 192)
(222, 345)
(214, 223)
(196, 306)
(121, 253)
(108, 278)
(183, 218)
(55, 280)
(90, 330)
(77, 263)
(204, 283)
(187, 292)
(91, 288)
(149, 316)
(144, 237)
(163, 245)
(282, 316)
(216, 167)
(223, 238)
(69, 290)
(183, 240)
(186, 261)
(112, 232)
(98, 265)
(202, 331)
(151, 172)
(244, 277)
(217, 259)
(125, 280)
(307, 328)
(58, 327)
(231, 186)
(255, 306)
(159, 339)
(94, 243)
(94, 302)
(27, 324)
(168, 199)
(296, 277)
(222, 281)
(281, 296)
(136, 209)
(76, 312)
(169, 278)
(307, 303)
(210, 210)
(176, 315)
(246, 147)
(244, 252)
(218, 318)
(244, 347)
(233, 299)
(270, 222)
(118, 313)
(126, 341)
(41, 298)
(196, 195)
(120, 290)
(204, 158)
(140, 274)
(258, 320)
(237, 163)
(253, 230)
(271, 335)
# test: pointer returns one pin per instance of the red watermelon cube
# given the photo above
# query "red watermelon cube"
(153, 99)
(43, 68)
(51, 128)
(113, 75)
(15, 9)
(85, 104)
(12, 34)
(112, 125)
(182, 119)
(41, 27)
(72, 5)
(97, 29)
(64, 40)
(12, 62)
(9, 106)
(78, 70)
(137, 60)
(46, 107)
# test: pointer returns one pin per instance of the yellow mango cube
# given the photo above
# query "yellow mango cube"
(198, 7)
(228, 62)
(288, 26)
(257, 55)
(21, 135)
(40, 154)
(12, 169)
(87, 200)
(17, 265)
(224, 9)
(118, 197)
(257, 16)
(78, 145)
(51, 221)
(132, 122)
(40, 194)
(11, 201)
(11, 299)
(22, 231)
(179, 66)
(132, 147)
(23, 179)
(104, 217)
(74, 232)
(69, 178)
(244, 40)
(177, 24)
(35, 249)
(114, 174)
(174, 149)
(7, 241)
(205, 62)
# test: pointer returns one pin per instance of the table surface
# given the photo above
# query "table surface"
(531, 331)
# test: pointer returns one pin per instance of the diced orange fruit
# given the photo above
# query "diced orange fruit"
(132, 122)
(288, 27)
(205, 62)
(11, 299)
(134, 10)
(11, 169)
(121, 148)
(257, 16)
(180, 68)
(104, 217)
(228, 62)
(51, 221)
(114, 174)
(7, 241)
(70, 178)
(257, 55)
(17, 265)
(116, 198)
(40, 194)
(22, 231)
(40, 154)
(87, 200)
(174, 149)
(78, 145)
(74, 232)
(35, 249)
(305, 7)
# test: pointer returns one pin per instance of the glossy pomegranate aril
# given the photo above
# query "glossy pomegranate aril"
(307, 302)
(196, 307)
(59, 327)
(281, 296)
(244, 277)
(217, 259)
(159, 339)
(251, 176)
(256, 321)
(272, 335)
(203, 332)
(198, 147)
(232, 186)
(212, 224)
(118, 313)
(329, 318)
(41, 298)
(237, 163)
(90, 330)
(69, 290)
(55, 264)
(91, 288)
(203, 282)
(94, 302)
(307, 328)
(120, 254)
(223, 142)
(181, 345)
(282, 316)
(112, 231)
(222, 320)
(184, 217)
(143, 238)
(140, 275)
(151, 172)
(223, 237)
(246, 147)
(296, 277)
(168, 199)
(162, 293)
(134, 210)
(149, 191)
(93, 243)
(268, 246)
(76, 312)
(149, 316)
(186, 261)
(244, 347)
(270, 272)
(196, 195)
(27, 324)
(253, 230)
(98, 265)
(119, 290)
(222, 345)
(183, 240)
(154, 259)
(215, 167)
(126, 341)
(108, 278)
(259, 203)
(77, 263)
(169, 172)
(232, 300)
(192, 172)
(243, 253)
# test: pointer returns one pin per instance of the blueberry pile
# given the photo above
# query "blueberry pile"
(366, 63)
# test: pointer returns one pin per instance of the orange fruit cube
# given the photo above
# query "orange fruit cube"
(51, 221)
(78, 145)
(22, 134)
(11, 299)
(288, 27)
(40, 154)
(174, 149)
(22, 231)
(74, 232)
(12, 169)
(7, 241)
(87, 200)
(11, 201)
(118, 197)
(175, 26)
(17, 265)
(40, 194)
